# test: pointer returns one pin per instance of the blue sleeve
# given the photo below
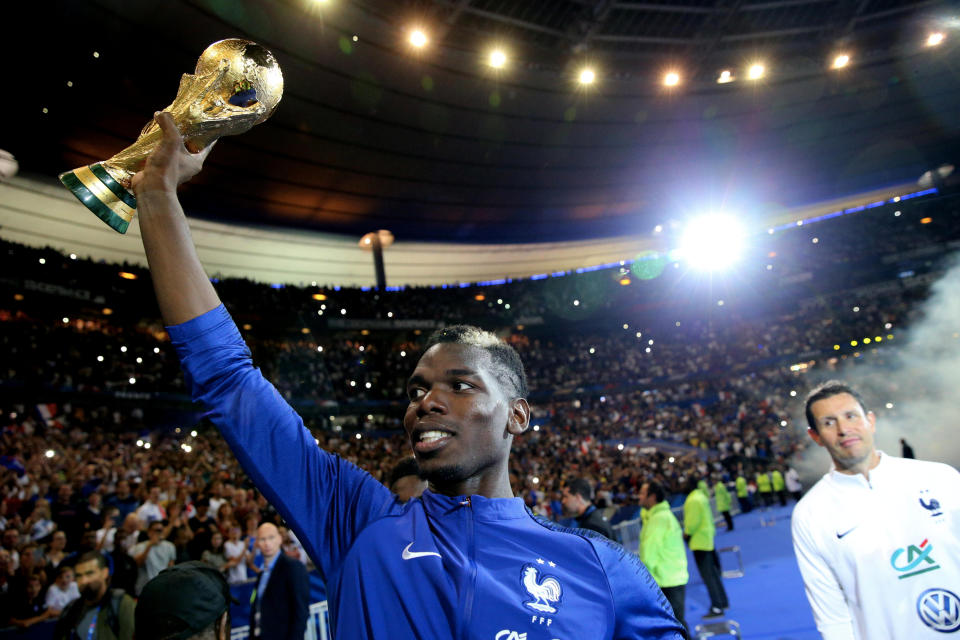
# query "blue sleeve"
(640, 608)
(326, 500)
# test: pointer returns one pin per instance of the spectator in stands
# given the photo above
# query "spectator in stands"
(661, 547)
(101, 613)
(107, 533)
(10, 542)
(6, 587)
(29, 606)
(699, 532)
(215, 498)
(577, 499)
(153, 555)
(39, 525)
(91, 514)
(125, 502)
(226, 517)
(202, 525)
(28, 567)
(190, 601)
(405, 480)
(151, 510)
(63, 591)
(66, 514)
(235, 552)
(214, 554)
(129, 533)
(55, 552)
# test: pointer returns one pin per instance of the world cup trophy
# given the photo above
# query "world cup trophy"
(237, 84)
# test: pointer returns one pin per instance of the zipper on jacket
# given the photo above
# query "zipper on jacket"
(472, 579)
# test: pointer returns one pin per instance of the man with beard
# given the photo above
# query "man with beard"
(466, 559)
(877, 538)
(101, 613)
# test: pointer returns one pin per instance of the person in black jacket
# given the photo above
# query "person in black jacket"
(281, 599)
(577, 500)
(100, 613)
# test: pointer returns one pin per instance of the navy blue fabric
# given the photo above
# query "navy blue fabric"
(434, 568)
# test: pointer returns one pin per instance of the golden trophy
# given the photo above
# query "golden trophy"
(237, 84)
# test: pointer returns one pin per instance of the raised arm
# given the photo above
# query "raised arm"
(327, 500)
(182, 287)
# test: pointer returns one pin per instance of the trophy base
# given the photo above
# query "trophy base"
(103, 195)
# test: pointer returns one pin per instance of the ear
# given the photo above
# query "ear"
(519, 418)
(223, 632)
(872, 419)
(815, 436)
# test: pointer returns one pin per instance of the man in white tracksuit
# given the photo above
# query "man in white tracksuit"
(878, 538)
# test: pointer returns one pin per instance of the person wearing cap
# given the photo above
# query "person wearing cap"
(187, 601)
(100, 613)
(281, 599)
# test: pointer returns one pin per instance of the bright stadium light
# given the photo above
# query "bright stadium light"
(498, 59)
(587, 76)
(841, 61)
(756, 71)
(418, 38)
(712, 242)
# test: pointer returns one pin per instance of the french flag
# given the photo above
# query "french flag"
(48, 414)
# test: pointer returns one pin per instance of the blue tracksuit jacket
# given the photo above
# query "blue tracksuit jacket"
(435, 568)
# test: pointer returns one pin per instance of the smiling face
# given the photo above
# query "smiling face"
(461, 421)
(846, 431)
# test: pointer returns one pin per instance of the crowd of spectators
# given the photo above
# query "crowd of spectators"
(92, 459)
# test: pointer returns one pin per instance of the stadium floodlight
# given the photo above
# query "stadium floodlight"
(418, 38)
(712, 242)
(498, 59)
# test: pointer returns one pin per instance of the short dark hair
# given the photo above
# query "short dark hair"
(406, 467)
(656, 490)
(826, 390)
(505, 358)
(582, 488)
(100, 559)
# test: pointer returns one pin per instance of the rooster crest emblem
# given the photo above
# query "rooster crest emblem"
(544, 591)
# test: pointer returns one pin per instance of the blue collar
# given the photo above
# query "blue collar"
(483, 508)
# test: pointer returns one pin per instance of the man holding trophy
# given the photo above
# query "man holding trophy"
(466, 560)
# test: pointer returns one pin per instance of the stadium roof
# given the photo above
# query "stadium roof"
(435, 144)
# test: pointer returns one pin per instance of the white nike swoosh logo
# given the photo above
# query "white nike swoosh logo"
(410, 555)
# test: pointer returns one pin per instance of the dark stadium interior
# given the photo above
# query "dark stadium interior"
(642, 370)
(436, 145)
